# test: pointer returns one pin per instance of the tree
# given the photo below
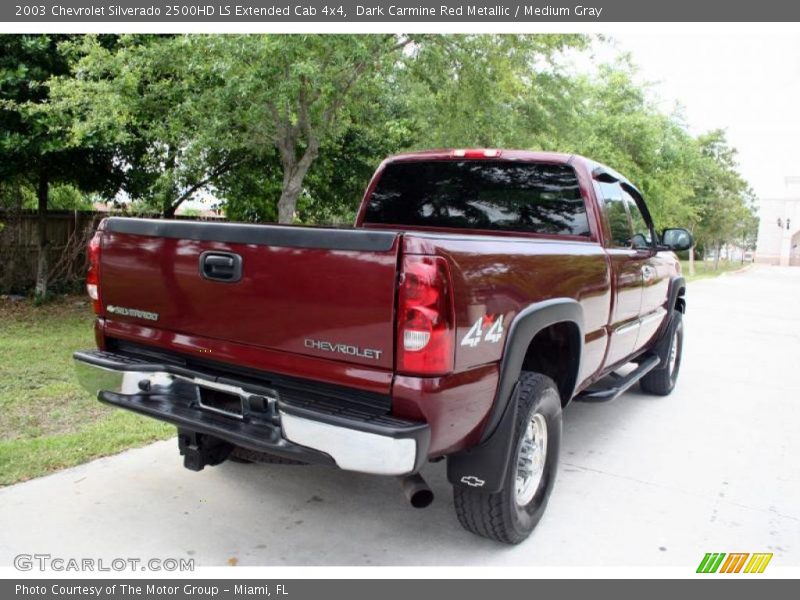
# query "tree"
(189, 112)
(156, 100)
(613, 121)
(297, 97)
(34, 147)
(726, 201)
(486, 90)
(687, 181)
(250, 191)
(302, 92)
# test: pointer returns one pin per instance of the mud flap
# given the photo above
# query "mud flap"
(484, 467)
(662, 346)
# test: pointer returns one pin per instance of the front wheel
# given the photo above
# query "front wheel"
(510, 515)
(661, 380)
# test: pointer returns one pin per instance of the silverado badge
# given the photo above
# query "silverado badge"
(132, 312)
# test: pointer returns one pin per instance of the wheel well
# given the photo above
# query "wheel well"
(555, 351)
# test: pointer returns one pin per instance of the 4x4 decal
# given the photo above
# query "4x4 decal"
(493, 335)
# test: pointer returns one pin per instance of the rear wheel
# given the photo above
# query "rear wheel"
(510, 515)
(661, 381)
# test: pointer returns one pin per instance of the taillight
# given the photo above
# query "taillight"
(93, 275)
(425, 331)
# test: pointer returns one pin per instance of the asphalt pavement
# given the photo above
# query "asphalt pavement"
(644, 481)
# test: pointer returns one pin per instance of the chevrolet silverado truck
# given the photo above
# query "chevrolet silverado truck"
(479, 292)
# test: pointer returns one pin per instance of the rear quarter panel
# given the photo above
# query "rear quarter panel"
(499, 277)
(495, 278)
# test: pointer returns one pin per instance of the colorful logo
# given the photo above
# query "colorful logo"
(735, 562)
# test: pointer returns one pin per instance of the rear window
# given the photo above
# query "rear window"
(492, 195)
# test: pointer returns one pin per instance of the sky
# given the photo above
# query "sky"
(748, 85)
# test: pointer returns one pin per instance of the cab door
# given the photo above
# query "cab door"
(627, 272)
(655, 269)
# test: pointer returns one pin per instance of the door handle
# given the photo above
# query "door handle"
(221, 266)
(648, 272)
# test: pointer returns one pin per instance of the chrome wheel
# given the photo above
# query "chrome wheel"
(531, 459)
(673, 353)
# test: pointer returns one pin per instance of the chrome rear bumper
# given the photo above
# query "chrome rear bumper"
(349, 437)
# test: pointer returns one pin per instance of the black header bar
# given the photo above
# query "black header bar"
(398, 11)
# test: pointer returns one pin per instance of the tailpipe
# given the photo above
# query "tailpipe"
(416, 490)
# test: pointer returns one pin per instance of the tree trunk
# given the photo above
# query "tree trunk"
(716, 256)
(41, 269)
(168, 205)
(288, 202)
(294, 173)
(169, 211)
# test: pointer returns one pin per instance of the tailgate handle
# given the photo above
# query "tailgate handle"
(221, 266)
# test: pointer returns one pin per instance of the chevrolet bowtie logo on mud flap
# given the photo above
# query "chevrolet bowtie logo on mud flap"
(472, 481)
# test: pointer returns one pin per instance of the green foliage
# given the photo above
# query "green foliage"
(336, 182)
(252, 190)
(726, 211)
(191, 212)
(155, 99)
(486, 90)
(36, 146)
(62, 197)
(34, 139)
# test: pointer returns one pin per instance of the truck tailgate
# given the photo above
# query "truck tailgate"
(326, 293)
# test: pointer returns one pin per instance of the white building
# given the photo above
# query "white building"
(779, 227)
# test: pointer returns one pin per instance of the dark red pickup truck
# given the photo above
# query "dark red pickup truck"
(479, 292)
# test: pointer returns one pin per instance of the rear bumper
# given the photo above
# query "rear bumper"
(352, 437)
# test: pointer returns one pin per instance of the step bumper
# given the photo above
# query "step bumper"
(255, 416)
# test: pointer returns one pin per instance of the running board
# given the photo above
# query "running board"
(620, 384)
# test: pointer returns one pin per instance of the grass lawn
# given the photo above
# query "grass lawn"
(47, 421)
(704, 270)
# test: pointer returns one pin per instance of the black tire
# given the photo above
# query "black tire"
(499, 516)
(661, 380)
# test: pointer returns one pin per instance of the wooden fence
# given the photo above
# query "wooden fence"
(68, 232)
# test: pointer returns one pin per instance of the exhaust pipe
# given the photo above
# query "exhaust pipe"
(416, 490)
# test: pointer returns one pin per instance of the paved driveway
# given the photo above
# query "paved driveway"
(643, 480)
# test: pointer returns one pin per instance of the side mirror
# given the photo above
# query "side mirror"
(676, 239)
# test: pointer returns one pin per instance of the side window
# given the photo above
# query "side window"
(617, 214)
(641, 230)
